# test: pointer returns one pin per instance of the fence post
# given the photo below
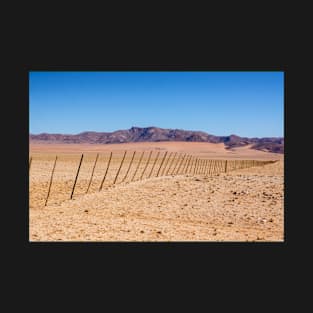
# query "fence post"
(154, 164)
(106, 171)
(183, 165)
(177, 163)
(181, 162)
(194, 170)
(161, 164)
(119, 167)
(194, 166)
(202, 166)
(138, 166)
(209, 167)
(80, 162)
(166, 162)
(93, 169)
(189, 163)
(55, 161)
(130, 164)
(146, 165)
(30, 163)
(198, 166)
(186, 165)
(215, 166)
(225, 166)
(171, 163)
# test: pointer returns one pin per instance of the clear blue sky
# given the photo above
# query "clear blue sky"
(248, 104)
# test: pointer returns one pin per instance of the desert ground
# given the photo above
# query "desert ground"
(240, 205)
(199, 149)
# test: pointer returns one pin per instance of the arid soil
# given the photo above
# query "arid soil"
(241, 205)
(199, 149)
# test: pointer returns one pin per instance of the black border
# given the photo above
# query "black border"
(257, 36)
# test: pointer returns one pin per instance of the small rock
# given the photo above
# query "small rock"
(86, 211)
(142, 231)
(159, 232)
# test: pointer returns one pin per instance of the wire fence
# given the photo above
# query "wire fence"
(56, 178)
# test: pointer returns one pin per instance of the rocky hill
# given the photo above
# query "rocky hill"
(139, 134)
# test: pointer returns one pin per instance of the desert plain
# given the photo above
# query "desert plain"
(244, 204)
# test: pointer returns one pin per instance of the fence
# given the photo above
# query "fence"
(58, 178)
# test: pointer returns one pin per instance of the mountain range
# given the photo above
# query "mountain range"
(154, 134)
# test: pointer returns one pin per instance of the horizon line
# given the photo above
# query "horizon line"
(92, 131)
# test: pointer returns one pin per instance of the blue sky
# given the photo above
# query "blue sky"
(249, 104)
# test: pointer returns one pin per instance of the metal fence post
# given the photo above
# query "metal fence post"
(138, 166)
(177, 163)
(194, 170)
(154, 164)
(130, 164)
(30, 163)
(161, 164)
(146, 165)
(55, 161)
(166, 162)
(180, 164)
(80, 162)
(100, 188)
(119, 168)
(93, 169)
(172, 161)
(189, 163)
(186, 164)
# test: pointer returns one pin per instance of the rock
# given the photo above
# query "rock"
(86, 211)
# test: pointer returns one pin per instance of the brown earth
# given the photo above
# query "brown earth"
(199, 149)
(242, 205)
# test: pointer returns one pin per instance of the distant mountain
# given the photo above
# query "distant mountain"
(154, 134)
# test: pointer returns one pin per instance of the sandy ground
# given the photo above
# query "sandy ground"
(243, 205)
(199, 149)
